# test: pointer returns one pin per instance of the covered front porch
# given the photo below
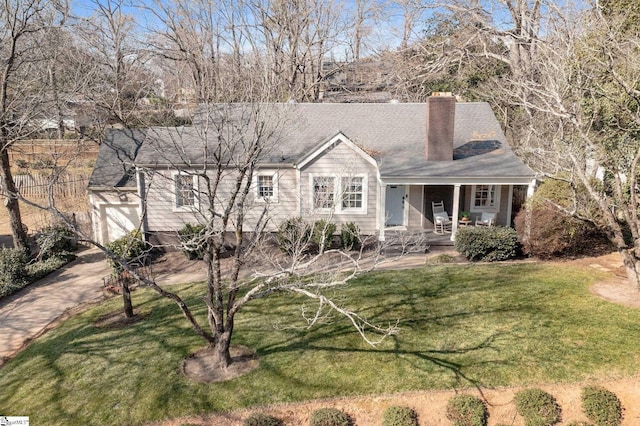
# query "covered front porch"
(408, 205)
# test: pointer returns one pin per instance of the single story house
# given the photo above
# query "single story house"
(378, 165)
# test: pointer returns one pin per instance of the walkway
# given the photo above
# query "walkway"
(30, 312)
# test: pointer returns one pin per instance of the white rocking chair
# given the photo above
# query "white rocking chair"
(487, 219)
(441, 221)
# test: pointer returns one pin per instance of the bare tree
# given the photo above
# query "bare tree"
(584, 101)
(20, 89)
(119, 78)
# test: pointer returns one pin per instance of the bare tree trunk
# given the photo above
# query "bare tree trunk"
(20, 239)
(631, 266)
(126, 298)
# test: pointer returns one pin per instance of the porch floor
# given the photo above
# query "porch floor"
(433, 239)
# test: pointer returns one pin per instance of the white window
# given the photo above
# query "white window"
(266, 185)
(185, 191)
(342, 194)
(485, 198)
(323, 192)
(352, 193)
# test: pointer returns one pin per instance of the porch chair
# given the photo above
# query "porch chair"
(487, 219)
(441, 220)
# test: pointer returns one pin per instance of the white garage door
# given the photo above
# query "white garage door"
(120, 220)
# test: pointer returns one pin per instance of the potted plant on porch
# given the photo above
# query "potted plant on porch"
(465, 216)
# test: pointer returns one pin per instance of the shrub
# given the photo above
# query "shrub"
(131, 247)
(487, 243)
(538, 407)
(601, 406)
(323, 234)
(191, 241)
(467, 410)
(553, 233)
(56, 241)
(294, 235)
(13, 270)
(349, 236)
(43, 268)
(329, 417)
(399, 416)
(260, 419)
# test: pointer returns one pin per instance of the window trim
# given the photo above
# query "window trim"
(255, 181)
(196, 200)
(495, 208)
(338, 193)
(312, 192)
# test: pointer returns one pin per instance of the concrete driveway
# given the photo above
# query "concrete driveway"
(30, 312)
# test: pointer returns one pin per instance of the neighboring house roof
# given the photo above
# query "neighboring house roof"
(114, 167)
(394, 134)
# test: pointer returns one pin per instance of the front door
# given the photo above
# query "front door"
(394, 205)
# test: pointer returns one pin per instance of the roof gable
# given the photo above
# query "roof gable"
(338, 138)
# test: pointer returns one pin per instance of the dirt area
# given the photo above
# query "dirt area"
(430, 406)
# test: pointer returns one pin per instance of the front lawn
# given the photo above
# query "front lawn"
(461, 326)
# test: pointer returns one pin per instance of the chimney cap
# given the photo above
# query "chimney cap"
(442, 94)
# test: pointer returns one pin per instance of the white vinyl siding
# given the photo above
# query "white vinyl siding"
(342, 163)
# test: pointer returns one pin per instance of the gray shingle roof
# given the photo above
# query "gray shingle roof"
(115, 163)
(394, 133)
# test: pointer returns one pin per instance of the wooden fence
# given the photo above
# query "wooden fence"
(47, 150)
(36, 186)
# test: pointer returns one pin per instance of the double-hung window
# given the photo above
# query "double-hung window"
(266, 186)
(323, 192)
(352, 193)
(485, 198)
(341, 194)
(185, 191)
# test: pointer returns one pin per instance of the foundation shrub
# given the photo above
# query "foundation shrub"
(349, 236)
(294, 235)
(191, 241)
(131, 247)
(323, 232)
(487, 243)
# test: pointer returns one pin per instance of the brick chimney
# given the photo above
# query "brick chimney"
(441, 111)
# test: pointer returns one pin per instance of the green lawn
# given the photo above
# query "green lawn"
(487, 325)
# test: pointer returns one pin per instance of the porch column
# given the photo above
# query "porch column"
(531, 188)
(456, 211)
(140, 184)
(382, 197)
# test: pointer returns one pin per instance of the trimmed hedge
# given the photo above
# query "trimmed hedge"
(399, 416)
(601, 406)
(487, 243)
(329, 417)
(538, 407)
(467, 410)
(260, 419)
